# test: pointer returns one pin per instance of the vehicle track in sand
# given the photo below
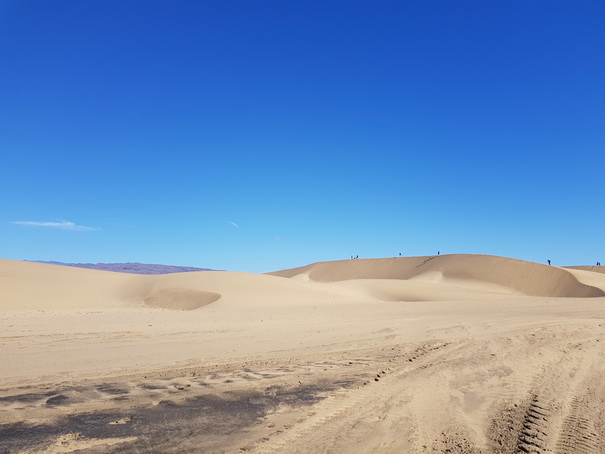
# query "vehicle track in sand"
(583, 430)
(564, 410)
(358, 419)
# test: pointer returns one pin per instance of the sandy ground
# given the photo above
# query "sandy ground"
(448, 354)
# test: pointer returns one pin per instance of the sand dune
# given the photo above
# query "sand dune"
(457, 353)
(27, 285)
(463, 270)
(38, 286)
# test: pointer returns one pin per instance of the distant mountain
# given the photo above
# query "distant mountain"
(134, 267)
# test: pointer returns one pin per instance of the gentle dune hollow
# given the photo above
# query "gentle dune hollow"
(180, 298)
(442, 354)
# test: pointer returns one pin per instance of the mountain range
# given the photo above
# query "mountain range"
(132, 267)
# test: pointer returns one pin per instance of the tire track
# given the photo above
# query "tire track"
(562, 411)
(583, 429)
(579, 434)
(534, 428)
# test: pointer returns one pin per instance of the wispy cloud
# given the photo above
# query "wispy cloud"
(233, 224)
(63, 225)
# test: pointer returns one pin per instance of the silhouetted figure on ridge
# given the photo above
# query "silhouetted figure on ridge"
(549, 262)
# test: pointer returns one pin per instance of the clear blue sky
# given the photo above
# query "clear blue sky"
(259, 135)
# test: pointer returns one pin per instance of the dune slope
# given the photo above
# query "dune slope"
(41, 286)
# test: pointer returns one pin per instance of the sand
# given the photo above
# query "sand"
(452, 353)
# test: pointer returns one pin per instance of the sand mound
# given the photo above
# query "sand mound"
(471, 271)
(181, 298)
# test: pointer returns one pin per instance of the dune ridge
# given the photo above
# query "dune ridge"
(529, 278)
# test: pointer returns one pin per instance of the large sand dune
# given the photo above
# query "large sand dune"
(455, 353)
(462, 270)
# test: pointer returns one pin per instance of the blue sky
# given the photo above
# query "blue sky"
(260, 135)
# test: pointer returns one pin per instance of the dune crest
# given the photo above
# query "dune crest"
(464, 270)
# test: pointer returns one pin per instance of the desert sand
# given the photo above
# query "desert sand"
(437, 354)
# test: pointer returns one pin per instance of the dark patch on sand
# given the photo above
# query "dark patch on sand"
(206, 423)
(151, 387)
(26, 398)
